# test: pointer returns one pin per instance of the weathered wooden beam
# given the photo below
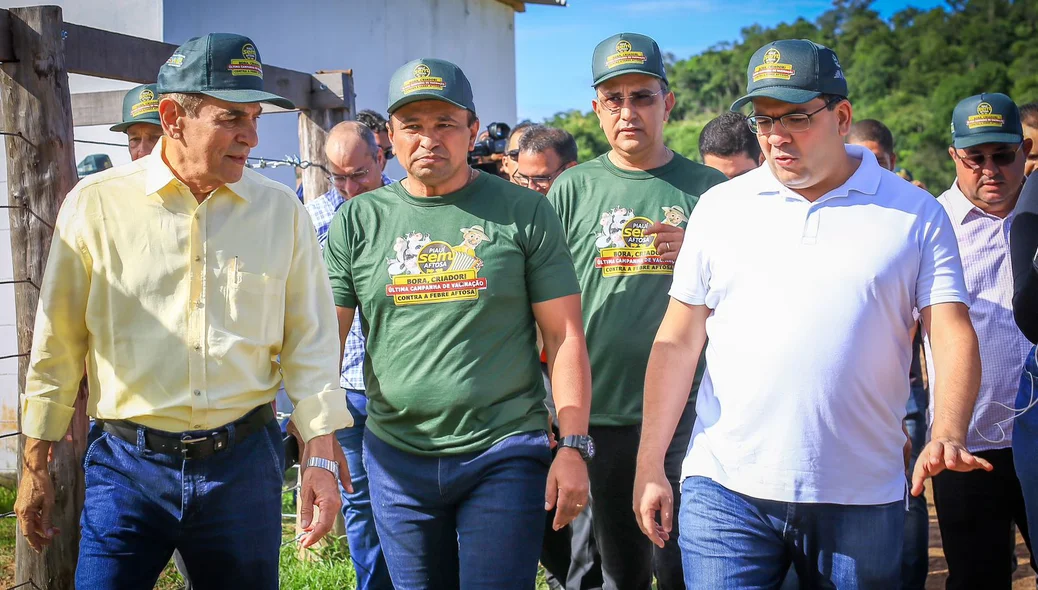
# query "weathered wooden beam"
(40, 172)
(333, 91)
(105, 54)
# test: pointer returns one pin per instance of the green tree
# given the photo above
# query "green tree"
(908, 71)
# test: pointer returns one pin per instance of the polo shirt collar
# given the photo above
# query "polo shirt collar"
(865, 180)
(159, 175)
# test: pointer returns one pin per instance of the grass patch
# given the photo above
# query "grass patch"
(7, 533)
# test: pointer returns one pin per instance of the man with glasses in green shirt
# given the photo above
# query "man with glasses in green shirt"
(608, 208)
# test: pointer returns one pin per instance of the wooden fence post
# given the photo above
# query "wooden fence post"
(41, 171)
(332, 102)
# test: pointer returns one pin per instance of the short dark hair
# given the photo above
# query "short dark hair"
(518, 127)
(872, 130)
(372, 120)
(729, 135)
(1029, 114)
(539, 138)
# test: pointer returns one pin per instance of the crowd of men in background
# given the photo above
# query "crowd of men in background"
(758, 382)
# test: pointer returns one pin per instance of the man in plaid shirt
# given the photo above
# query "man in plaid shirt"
(353, 162)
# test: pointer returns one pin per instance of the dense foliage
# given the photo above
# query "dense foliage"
(908, 72)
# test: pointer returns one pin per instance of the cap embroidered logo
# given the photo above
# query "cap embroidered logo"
(984, 117)
(771, 69)
(423, 80)
(625, 55)
(249, 65)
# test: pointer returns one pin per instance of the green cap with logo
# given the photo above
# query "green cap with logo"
(222, 65)
(140, 105)
(986, 118)
(429, 79)
(627, 53)
(794, 71)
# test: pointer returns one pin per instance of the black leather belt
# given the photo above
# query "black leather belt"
(191, 445)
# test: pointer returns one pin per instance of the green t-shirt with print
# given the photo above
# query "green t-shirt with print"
(605, 211)
(445, 286)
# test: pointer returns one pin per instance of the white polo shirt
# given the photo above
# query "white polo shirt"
(809, 340)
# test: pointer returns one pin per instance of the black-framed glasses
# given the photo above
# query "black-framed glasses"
(638, 100)
(528, 181)
(792, 122)
(1000, 158)
(388, 153)
(513, 155)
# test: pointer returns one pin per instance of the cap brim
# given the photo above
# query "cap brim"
(417, 96)
(982, 138)
(244, 96)
(612, 75)
(780, 93)
(121, 127)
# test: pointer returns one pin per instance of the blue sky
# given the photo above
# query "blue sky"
(554, 45)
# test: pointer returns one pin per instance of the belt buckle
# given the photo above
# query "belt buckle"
(188, 443)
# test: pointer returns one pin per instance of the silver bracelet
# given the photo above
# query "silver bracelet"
(324, 464)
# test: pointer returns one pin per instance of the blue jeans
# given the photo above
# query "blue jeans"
(223, 513)
(1025, 441)
(474, 520)
(365, 550)
(732, 541)
(915, 558)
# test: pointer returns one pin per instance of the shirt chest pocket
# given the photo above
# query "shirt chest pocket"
(255, 307)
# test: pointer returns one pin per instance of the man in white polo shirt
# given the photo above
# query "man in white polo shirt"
(976, 511)
(804, 274)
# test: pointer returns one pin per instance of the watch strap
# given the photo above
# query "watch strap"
(325, 464)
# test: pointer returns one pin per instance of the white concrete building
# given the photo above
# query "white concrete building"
(371, 37)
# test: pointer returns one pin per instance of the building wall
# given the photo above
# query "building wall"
(371, 37)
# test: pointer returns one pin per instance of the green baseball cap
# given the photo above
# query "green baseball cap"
(627, 53)
(222, 65)
(986, 118)
(794, 71)
(140, 105)
(429, 79)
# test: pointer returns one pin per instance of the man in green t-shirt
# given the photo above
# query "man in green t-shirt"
(452, 269)
(611, 207)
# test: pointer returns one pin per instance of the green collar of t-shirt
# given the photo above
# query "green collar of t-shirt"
(639, 174)
(439, 200)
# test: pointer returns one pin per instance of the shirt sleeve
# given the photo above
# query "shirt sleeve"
(59, 345)
(338, 259)
(1023, 243)
(940, 278)
(310, 351)
(549, 265)
(691, 282)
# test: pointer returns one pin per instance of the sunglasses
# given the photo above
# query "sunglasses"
(1000, 158)
(638, 100)
(388, 152)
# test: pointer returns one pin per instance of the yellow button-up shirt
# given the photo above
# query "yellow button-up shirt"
(181, 310)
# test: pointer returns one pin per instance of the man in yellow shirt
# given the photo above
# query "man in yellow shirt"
(190, 287)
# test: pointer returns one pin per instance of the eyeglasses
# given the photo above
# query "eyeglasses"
(342, 179)
(792, 122)
(528, 181)
(1000, 158)
(639, 100)
(388, 152)
(512, 154)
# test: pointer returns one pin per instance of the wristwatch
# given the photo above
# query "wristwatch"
(324, 464)
(585, 445)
